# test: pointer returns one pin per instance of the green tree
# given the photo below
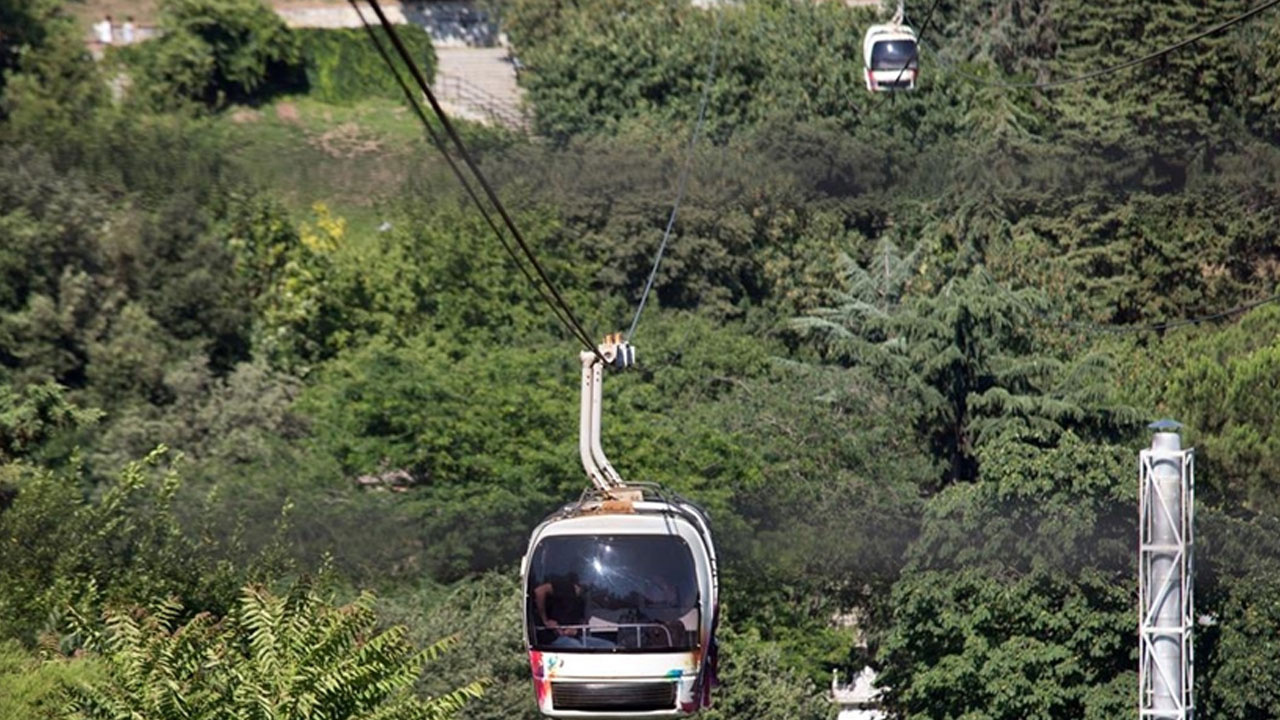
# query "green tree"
(292, 656)
(63, 548)
(1218, 380)
(215, 422)
(49, 85)
(35, 689)
(343, 66)
(1078, 491)
(1236, 576)
(485, 613)
(1036, 646)
(1242, 682)
(757, 683)
(51, 223)
(481, 433)
(218, 51)
(24, 24)
(1264, 101)
(1017, 599)
(605, 66)
(1220, 384)
(32, 417)
(128, 287)
(966, 355)
(757, 232)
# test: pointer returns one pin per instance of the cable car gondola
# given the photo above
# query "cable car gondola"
(890, 56)
(620, 589)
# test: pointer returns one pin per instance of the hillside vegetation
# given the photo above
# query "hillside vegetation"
(259, 356)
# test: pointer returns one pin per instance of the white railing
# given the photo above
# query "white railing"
(582, 632)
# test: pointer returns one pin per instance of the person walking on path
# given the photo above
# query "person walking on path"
(102, 30)
(127, 31)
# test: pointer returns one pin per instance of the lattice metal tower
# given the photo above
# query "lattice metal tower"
(1166, 608)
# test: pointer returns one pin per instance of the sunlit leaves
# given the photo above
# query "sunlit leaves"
(291, 657)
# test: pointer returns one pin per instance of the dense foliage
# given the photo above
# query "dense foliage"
(34, 689)
(895, 348)
(215, 52)
(295, 656)
(343, 65)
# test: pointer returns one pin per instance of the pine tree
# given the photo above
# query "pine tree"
(965, 356)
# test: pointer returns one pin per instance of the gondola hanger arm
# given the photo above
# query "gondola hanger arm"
(619, 354)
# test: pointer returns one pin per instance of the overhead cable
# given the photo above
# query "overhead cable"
(682, 183)
(915, 50)
(444, 150)
(557, 300)
(1128, 63)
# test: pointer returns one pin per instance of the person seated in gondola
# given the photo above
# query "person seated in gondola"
(658, 603)
(562, 614)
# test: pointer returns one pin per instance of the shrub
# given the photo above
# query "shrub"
(32, 689)
(123, 545)
(343, 66)
(274, 657)
(32, 416)
(217, 51)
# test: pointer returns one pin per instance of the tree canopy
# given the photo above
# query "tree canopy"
(901, 346)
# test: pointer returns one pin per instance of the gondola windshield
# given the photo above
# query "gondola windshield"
(622, 593)
(893, 55)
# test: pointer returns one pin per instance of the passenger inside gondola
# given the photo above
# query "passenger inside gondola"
(894, 55)
(620, 593)
(561, 610)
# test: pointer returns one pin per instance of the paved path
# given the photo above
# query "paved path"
(476, 83)
(480, 84)
(487, 69)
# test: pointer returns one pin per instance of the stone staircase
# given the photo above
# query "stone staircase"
(480, 84)
(474, 77)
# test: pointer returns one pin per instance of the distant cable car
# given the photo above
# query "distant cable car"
(621, 589)
(891, 56)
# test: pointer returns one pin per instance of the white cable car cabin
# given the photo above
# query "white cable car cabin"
(620, 591)
(891, 58)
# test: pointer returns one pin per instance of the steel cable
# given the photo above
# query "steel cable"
(915, 48)
(682, 183)
(444, 151)
(569, 318)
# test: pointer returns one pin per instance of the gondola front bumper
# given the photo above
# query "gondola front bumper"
(882, 80)
(601, 685)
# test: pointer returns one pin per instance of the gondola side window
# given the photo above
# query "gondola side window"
(620, 593)
(893, 55)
